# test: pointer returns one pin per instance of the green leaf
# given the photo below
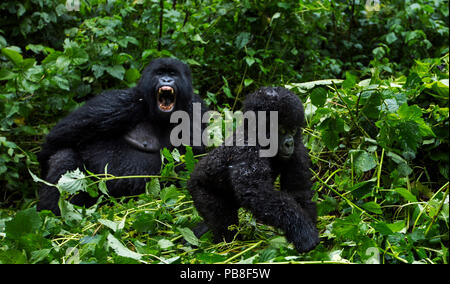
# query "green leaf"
(13, 256)
(25, 222)
(330, 129)
(303, 87)
(278, 242)
(175, 154)
(170, 260)
(103, 188)
(362, 161)
(121, 250)
(98, 70)
(72, 182)
(153, 187)
(372, 207)
(347, 228)
(249, 60)
(132, 75)
(62, 83)
(242, 39)
(165, 244)
(440, 89)
(166, 153)
(397, 226)
(145, 223)
(189, 236)
(267, 254)
(402, 165)
(378, 52)
(62, 62)
(406, 194)
(382, 228)
(207, 257)
(169, 195)
(318, 96)
(409, 134)
(189, 160)
(328, 205)
(14, 56)
(248, 82)
(114, 226)
(68, 211)
(391, 37)
(350, 80)
(226, 88)
(117, 71)
(413, 81)
(406, 112)
(198, 38)
(27, 63)
(39, 255)
(362, 189)
(6, 74)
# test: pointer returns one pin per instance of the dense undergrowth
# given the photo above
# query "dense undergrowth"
(374, 81)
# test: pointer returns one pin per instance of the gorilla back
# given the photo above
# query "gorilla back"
(121, 129)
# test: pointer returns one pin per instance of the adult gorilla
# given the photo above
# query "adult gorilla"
(124, 129)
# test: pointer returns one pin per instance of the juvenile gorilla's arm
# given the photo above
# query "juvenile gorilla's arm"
(295, 179)
(253, 187)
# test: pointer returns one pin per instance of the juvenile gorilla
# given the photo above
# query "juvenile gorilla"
(236, 176)
(124, 129)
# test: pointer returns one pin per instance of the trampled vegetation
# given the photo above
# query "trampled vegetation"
(374, 78)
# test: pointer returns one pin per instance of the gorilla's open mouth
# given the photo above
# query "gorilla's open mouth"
(166, 98)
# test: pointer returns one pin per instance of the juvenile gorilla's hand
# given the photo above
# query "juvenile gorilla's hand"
(305, 237)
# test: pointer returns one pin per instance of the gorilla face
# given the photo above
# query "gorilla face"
(166, 85)
(166, 88)
(286, 142)
(290, 116)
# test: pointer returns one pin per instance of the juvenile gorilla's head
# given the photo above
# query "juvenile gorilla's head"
(167, 86)
(290, 115)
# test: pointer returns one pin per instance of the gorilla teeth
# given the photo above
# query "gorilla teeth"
(166, 98)
(165, 89)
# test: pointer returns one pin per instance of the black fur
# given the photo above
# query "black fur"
(236, 176)
(95, 135)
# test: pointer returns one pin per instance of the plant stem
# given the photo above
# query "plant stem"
(437, 212)
(242, 252)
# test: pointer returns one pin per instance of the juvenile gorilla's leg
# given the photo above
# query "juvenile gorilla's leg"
(218, 212)
(277, 209)
(59, 163)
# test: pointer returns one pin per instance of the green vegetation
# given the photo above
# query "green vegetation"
(374, 80)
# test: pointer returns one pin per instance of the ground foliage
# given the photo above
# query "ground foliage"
(373, 77)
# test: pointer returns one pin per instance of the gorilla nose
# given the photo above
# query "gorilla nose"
(288, 143)
(167, 80)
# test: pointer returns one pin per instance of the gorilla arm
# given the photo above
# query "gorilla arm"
(253, 187)
(295, 179)
(108, 113)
